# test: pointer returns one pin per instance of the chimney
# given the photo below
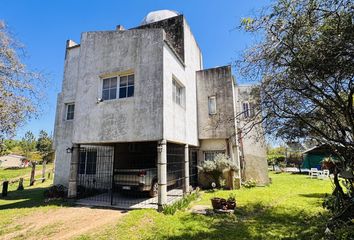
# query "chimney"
(70, 43)
(120, 28)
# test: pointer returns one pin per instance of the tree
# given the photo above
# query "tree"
(28, 144)
(305, 66)
(20, 89)
(45, 145)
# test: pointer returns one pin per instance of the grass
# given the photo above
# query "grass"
(21, 203)
(290, 208)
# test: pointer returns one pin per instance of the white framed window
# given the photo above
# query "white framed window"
(178, 93)
(88, 162)
(110, 89)
(247, 109)
(212, 105)
(70, 110)
(210, 155)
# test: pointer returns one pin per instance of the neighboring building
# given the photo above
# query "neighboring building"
(142, 95)
(313, 157)
(13, 161)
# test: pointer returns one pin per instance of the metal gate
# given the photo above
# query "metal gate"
(95, 173)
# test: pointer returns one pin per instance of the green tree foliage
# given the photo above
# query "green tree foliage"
(45, 146)
(305, 64)
(28, 145)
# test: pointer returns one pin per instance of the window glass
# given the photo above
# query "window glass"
(126, 86)
(212, 105)
(210, 155)
(87, 162)
(70, 109)
(109, 88)
(178, 93)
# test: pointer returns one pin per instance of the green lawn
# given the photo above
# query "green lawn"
(290, 208)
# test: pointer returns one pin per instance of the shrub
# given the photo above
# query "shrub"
(215, 169)
(181, 204)
(56, 191)
(249, 183)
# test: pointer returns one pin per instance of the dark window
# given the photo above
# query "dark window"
(126, 86)
(87, 163)
(109, 89)
(70, 109)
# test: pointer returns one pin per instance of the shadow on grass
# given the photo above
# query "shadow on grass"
(254, 221)
(314, 195)
(33, 197)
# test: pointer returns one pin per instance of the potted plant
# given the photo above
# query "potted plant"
(231, 201)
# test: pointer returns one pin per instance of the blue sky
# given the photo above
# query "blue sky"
(44, 26)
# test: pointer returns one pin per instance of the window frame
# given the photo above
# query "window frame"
(214, 152)
(178, 87)
(210, 98)
(130, 85)
(82, 168)
(67, 105)
(250, 109)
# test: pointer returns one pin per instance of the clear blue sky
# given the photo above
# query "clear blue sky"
(44, 26)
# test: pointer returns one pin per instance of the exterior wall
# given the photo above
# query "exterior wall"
(253, 144)
(9, 161)
(120, 120)
(180, 122)
(63, 130)
(216, 82)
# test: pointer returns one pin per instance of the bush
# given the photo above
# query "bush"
(181, 204)
(249, 183)
(214, 169)
(56, 191)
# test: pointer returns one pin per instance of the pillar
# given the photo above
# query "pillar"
(162, 173)
(75, 154)
(186, 169)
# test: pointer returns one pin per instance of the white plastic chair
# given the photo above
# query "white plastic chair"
(324, 174)
(314, 172)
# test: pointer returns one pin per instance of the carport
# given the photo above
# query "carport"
(131, 175)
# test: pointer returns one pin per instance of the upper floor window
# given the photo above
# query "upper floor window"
(70, 109)
(110, 87)
(247, 109)
(177, 93)
(212, 105)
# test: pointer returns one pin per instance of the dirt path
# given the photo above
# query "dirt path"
(62, 223)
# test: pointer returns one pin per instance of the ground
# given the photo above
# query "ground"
(289, 208)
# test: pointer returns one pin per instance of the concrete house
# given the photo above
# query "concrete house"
(140, 100)
(13, 161)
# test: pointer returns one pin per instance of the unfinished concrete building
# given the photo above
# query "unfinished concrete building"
(137, 111)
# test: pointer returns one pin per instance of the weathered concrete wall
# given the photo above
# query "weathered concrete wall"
(63, 129)
(136, 118)
(180, 122)
(215, 82)
(253, 144)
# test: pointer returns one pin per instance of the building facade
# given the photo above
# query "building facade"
(139, 91)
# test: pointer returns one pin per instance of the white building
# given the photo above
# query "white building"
(142, 95)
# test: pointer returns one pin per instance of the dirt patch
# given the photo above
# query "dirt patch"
(63, 223)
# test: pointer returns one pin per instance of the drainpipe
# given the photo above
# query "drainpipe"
(162, 173)
(186, 169)
(72, 189)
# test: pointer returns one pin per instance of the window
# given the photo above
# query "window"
(87, 163)
(70, 109)
(177, 93)
(248, 109)
(212, 105)
(126, 86)
(110, 87)
(109, 90)
(210, 155)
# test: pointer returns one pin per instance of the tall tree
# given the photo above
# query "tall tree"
(28, 144)
(305, 64)
(45, 145)
(21, 90)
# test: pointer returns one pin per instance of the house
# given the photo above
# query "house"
(137, 110)
(13, 161)
(313, 157)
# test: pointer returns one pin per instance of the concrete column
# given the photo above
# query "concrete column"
(75, 154)
(186, 169)
(162, 173)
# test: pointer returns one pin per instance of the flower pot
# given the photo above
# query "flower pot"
(231, 205)
(218, 203)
